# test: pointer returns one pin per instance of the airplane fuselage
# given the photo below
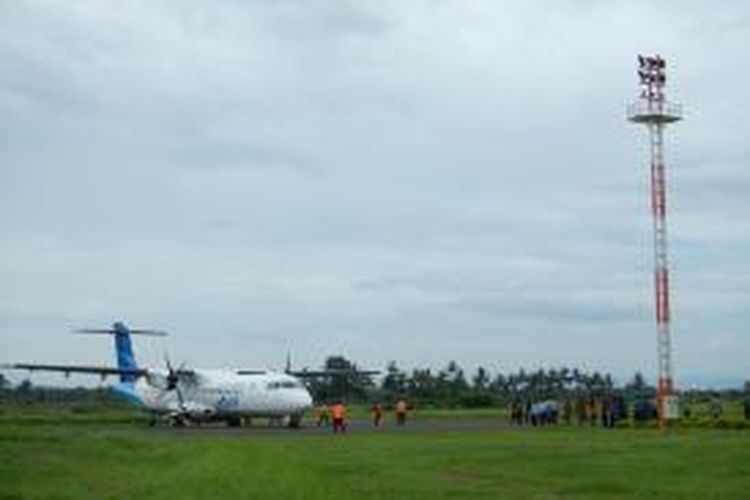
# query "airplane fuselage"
(220, 394)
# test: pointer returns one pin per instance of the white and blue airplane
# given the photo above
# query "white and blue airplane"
(184, 396)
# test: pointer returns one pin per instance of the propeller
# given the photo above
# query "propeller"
(173, 378)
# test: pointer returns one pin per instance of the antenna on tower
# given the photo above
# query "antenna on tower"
(653, 110)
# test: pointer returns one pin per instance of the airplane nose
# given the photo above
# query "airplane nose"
(305, 400)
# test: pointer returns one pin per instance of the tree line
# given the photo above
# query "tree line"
(452, 386)
(449, 387)
(26, 392)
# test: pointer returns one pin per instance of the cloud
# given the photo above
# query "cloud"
(380, 178)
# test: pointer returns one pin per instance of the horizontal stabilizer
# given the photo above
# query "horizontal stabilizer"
(111, 331)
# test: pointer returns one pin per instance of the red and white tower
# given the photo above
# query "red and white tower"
(653, 110)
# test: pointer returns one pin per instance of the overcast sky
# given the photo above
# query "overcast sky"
(419, 181)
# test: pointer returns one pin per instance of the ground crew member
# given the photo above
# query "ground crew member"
(618, 407)
(567, 411)
(606, 407)
(401, 410)
(322, 416)
(591, 412)
(580, 410)
(516, 413)
(316, 414)
(377, 414)
(527, 413)
(338, 412)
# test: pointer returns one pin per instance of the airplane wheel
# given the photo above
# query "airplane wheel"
(295, 421)
(234, 422)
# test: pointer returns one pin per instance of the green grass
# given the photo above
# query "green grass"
(35, 414)
(116, 460)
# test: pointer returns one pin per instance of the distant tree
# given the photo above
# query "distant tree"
(597, 383)
(452, 367)
(522, 383)
(578, 380)
(422, 385)
(457, 386)
(536, 384)
(566, 377)
(608, 383)
(24, 387)
(394, 381)
(637, 388)
(478, 395)
(350, 384)
(499, 386)
(442, 387)
(343, 383)
(459, 382)
(637, 384)
(481, 380)
(23, 392)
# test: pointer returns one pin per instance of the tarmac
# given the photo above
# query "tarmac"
(262, 428)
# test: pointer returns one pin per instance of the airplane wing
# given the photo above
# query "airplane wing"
(312, 373)
(68, 369)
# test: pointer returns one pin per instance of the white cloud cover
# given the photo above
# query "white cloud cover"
(419, 181)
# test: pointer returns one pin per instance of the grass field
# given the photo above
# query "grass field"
(90, 458)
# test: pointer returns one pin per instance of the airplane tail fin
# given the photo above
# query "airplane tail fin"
(123, 346)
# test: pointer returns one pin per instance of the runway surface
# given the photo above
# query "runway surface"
(261, 428)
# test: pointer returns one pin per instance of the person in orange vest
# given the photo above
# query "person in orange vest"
(338, 412)
(377, 414)
(401, 410)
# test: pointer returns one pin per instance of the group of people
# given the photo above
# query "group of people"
(589, 411)
(337, 415)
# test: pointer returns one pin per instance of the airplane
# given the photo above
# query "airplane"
(184, 396)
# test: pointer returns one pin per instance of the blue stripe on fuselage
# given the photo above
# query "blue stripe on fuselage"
(126, 391)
